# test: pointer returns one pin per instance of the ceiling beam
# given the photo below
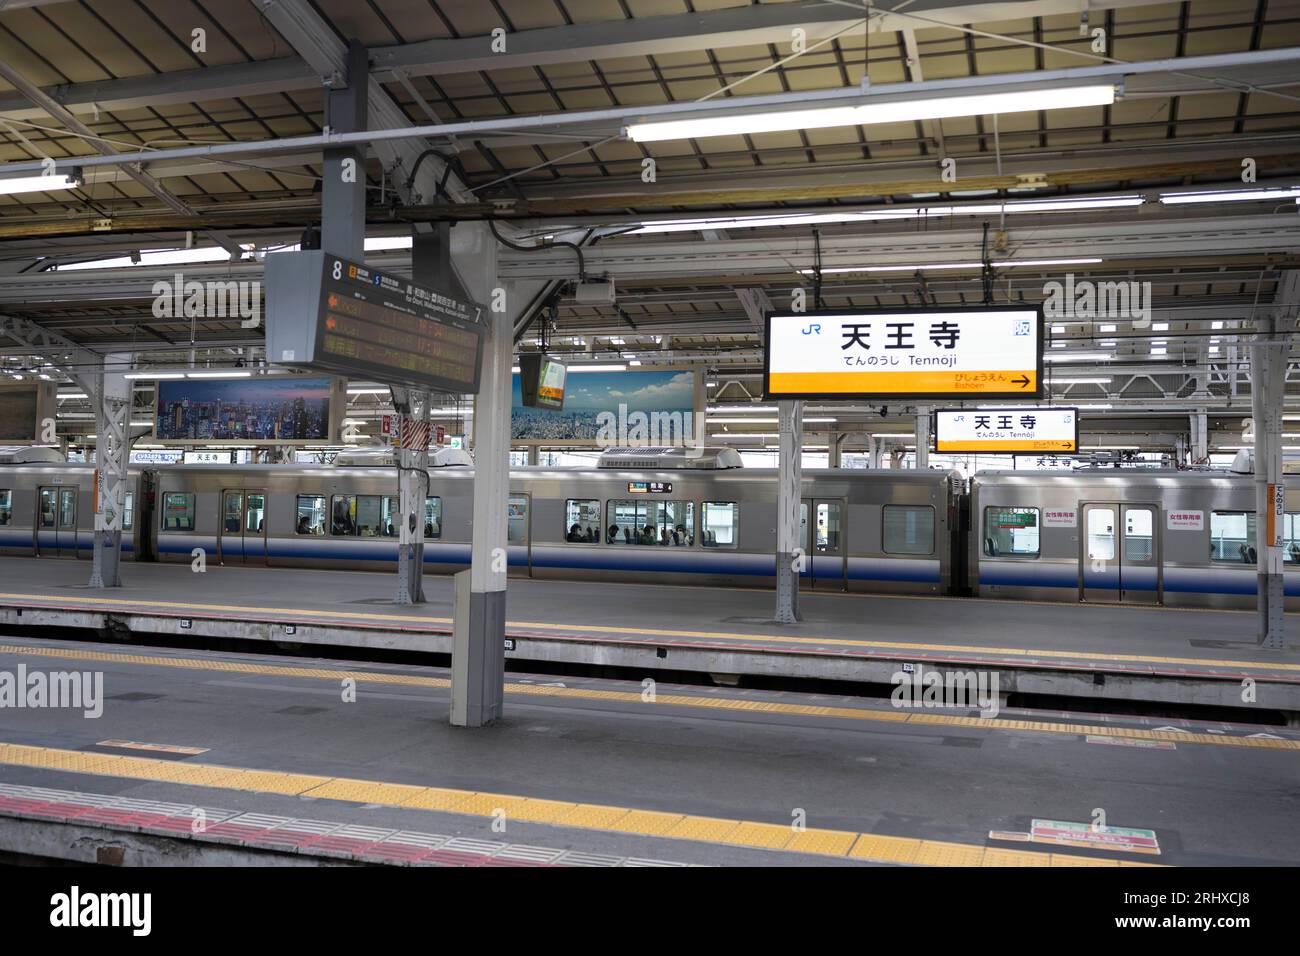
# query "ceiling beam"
(605, 39)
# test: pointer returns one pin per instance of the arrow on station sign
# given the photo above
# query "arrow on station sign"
(1022, 381)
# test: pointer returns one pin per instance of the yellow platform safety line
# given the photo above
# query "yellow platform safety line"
(673, 826)
(699, 702)
(597, 629)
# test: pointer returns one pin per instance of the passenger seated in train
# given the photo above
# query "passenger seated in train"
(575, 533)
(428, 529)
(611, 536)
(590, 536)
(648, 535)
(342, 523)
(679, 534)
(664, 538)
(304, 525)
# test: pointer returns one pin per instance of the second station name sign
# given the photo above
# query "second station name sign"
(986, 352)
(1007, 430)
(330, 314)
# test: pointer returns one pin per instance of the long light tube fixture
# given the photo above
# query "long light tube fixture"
(901, 110)
(37, 184)
(1010, 207)
(1229, 195)
(996, 264)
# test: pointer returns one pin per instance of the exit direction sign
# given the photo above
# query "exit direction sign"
(1007, 430)
(986, 352)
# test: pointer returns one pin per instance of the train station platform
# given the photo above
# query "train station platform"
(1172, 656)
(220, 757)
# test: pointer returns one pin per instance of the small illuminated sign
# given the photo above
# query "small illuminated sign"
(1007, 430)
(649, 487)
(987, 352)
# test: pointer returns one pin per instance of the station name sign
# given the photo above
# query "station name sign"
(1007, 430)
(329, 314)
(986, 352)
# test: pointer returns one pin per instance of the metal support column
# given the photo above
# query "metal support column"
(112, 453)
(789, 553)
(922, 437)
(343, 172)
(1200, 445)
(478, 651)
(834, 448)
(1268, 360)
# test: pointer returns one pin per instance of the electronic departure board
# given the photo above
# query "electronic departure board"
(329, 314)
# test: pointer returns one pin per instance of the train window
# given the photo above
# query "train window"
(1101, 534)
(1011, 532)
(6, 506)
(650, 522)
(516, 519)
(432, 518)
(178, 511)
(1232, 536)
(1291, 537)
(311, 514)
(230, 519)
(1139, 545)
(390, 519)
(719, 524)
(582, 520)
(47, 507)
(369, 516)
(128, 511)
(908, 529)
(343, 514)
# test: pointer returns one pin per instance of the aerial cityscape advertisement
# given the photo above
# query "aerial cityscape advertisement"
(285, 409)
(588, 394)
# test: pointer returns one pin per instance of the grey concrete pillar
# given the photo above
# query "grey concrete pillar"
(534, 453)
(834, 446)
(478, 666)
(790, 557)
(112, 454)
(922, 437)
(1200, 433)
(1268, 360)
(343, 170)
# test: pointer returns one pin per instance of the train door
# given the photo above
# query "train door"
(1120, 554)
(822, 533)
(255, 527)
(519, 527)
(241, 535)
(56, 522)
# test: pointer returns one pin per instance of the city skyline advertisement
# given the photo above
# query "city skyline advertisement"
(266, 409)
(588, 394)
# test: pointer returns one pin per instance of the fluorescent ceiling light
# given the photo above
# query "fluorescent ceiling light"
(597, 368)
(152, 375)
(1229, 195)
(228, 373)
(158, 257)
(1079, 357)
(882, 111)
(37, 184)
(1099, 380)
(914, 267)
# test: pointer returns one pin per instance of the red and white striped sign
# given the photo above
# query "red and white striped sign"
(416, 434)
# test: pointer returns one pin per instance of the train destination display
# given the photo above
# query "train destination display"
(986, 352)
(326, 313)
(1007, 430)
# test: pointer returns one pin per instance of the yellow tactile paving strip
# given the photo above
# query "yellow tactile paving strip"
(675, 826)
(697, 701)
(342, 617)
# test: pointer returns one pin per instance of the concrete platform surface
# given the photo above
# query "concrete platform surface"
(1160, 641)
(683, 775)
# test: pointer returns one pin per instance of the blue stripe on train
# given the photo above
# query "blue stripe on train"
(925, 571)
(1176, 580)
